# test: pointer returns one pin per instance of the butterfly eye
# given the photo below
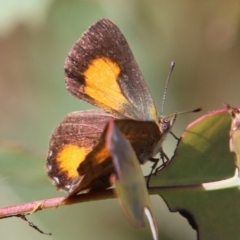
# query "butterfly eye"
(167, 126)
(164, 126)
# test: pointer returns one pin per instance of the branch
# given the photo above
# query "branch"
(32, 207)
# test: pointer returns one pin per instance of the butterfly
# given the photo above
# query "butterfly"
(101, 69)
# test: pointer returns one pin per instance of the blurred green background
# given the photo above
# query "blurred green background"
(35, 37)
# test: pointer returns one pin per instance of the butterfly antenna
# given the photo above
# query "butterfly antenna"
(183, 112)
(166, 86)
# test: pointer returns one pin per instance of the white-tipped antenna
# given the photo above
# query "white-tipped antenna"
(166, 86)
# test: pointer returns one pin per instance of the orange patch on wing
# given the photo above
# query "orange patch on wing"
(101, 83)
(101, 155)
(70, 157)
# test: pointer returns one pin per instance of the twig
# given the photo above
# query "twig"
(32, 207)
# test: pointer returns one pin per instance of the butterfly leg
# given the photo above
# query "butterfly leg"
(155, 161)
(165, 160)
(177, 138)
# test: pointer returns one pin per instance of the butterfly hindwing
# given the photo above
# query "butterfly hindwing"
(71, 142)
(98, 166)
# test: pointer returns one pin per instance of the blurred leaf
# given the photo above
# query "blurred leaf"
(130, 185)
(22, 169)
(28, 12)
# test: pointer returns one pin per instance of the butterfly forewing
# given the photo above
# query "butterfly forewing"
(101, 69)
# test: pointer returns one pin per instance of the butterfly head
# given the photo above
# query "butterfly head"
(166, 122)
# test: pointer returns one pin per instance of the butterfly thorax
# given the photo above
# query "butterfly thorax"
(156, 138)
(165, 125)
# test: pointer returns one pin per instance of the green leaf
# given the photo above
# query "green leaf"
(203, 156)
